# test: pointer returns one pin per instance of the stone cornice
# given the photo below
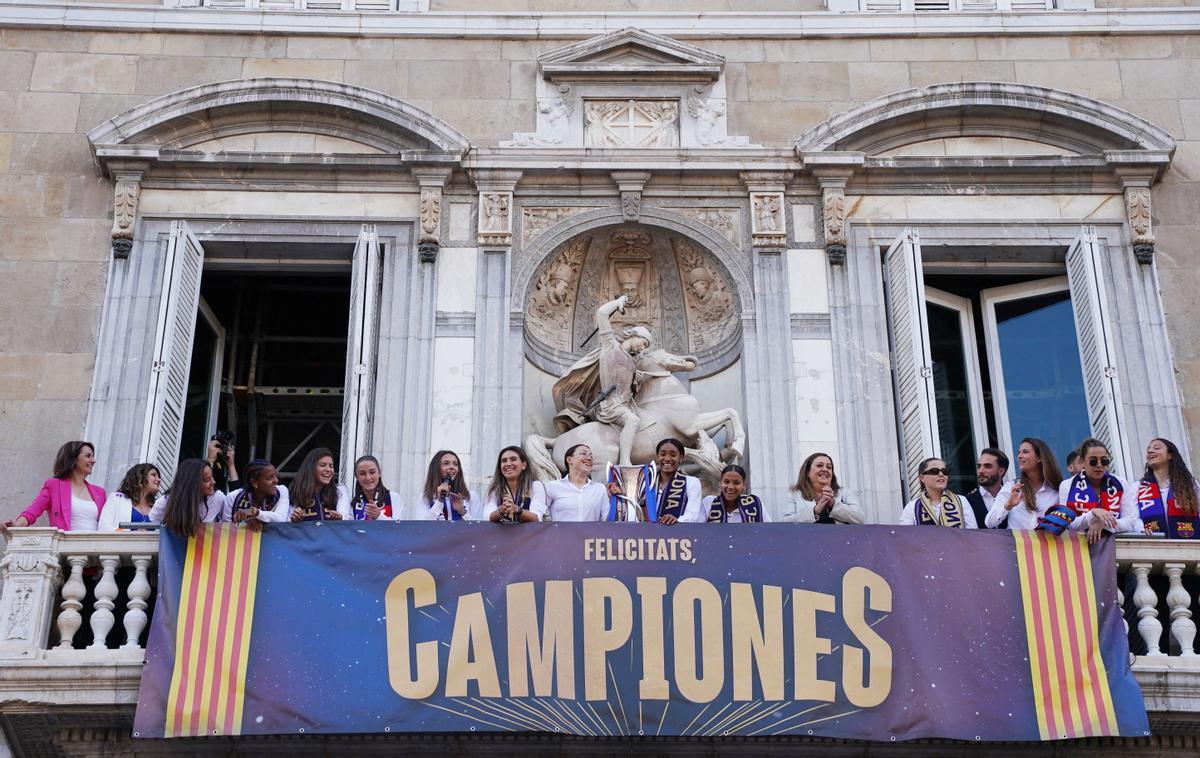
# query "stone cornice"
(776, 25)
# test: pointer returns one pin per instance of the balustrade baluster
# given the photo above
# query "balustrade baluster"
(139, 592)
(73, 592)
(1147, 609)
(106, 595)
(1183, 629)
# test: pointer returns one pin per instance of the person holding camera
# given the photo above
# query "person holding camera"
(220, 457)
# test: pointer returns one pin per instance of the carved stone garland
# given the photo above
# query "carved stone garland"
(126, 192)
(1137, 210)
(833, 216)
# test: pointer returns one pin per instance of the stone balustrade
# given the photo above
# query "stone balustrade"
(56, 586)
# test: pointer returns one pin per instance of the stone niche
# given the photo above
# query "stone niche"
(676, 289)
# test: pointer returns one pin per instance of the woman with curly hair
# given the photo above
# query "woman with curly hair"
(134, 499)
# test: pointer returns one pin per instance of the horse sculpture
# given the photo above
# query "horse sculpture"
(666, 410)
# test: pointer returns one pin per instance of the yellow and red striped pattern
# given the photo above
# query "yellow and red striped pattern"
(212, 635)
(1070, 685)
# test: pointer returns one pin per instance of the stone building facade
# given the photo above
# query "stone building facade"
(860, 221)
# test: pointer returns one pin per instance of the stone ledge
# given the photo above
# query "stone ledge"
(689, 25)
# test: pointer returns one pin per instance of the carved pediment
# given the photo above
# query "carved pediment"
(631, 55)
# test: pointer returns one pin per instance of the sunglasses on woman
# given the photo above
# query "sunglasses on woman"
(1094, 461)
(936, 472)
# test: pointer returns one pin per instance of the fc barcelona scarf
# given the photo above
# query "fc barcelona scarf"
(1162, 515)
(384, 502)
(750, 506)
(1082, 496)
(950, 514)
(673, 501)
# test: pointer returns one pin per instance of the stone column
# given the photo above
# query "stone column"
(29, 581)
(499, 353)
(767, 348)
(404, 389)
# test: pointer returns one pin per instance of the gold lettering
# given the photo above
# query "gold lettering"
(548, 651)
(653, 685)
(599, 639)
(761, 644)
(395, 603)
(694, 686)
(471, 636)
(588, 546)
(807, 646)
(878, 683)
(685, 550)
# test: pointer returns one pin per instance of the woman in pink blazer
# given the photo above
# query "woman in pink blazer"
(73, 502)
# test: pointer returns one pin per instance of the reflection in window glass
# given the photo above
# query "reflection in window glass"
(1043, 382)
(950, 396)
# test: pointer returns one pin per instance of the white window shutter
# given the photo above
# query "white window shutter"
(1089, 300)
(910, 353)
(360, 350)
(171, 359)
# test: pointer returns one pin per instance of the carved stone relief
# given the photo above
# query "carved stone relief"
(125, 203)
(833, 216)
(20, 613)
(495, 218)
(722, 220)
(552, 303)
(1137, 209)
(767, 226)
(553, 124)
(631, 123)
(675, 289)
(708, 114)
(710, 313)
(534, 221)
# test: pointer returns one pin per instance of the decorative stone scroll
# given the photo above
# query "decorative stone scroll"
(1137, 210)
(833, 216)
(767, 226)
(552, 304)
(536, 220)
(126, 192)
(723, 220)
(631, 123)
(431, 223)
(711, 316)
(495, 218)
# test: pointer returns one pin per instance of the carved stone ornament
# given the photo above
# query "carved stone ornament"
(722, 220)
(535, 221)
(708, 113)
(553, 124)
(1137, 209)
(833, 215)
(495, 218)
(20, 611)
(711, 316)
(631, 123)
(766, 219)
(631, 205)
(125, 203)
(552, 304)
(431, 223)
(631, 272)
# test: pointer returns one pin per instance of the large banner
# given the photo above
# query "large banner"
(860, 632)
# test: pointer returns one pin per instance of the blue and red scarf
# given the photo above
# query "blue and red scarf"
(1083, 497)
(1162, 515)
(359, 506)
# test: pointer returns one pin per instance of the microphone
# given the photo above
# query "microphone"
(449, 482)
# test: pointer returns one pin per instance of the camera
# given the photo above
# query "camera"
(224, 440)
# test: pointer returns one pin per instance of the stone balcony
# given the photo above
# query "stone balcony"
(73, 607)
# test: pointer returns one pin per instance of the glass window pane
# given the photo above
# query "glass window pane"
(951, 396)
(1043, 382)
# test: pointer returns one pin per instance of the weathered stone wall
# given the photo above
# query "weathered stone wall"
(55, 212)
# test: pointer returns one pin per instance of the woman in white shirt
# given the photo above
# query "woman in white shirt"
(314, 494)
(514, 496)
(937, 505)
(576, 497)
(1025, 499)
(677, 496)
(1104, 502)
(133, 502)
(192, 500)
(1168, 495)
(446, 496)
(817, 496)
(733, 505)
(372, 501)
